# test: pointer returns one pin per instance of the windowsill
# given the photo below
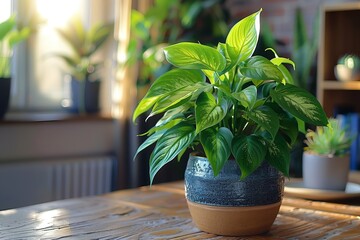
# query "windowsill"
(26, 117)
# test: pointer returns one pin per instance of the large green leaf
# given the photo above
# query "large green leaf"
(266, 118)
(217, 146)
(194, 56)
(299, 103)
(173, 142)
(179, 96)
(208, 112)
(278, 154)
(247, 96)
(244, 35)
(165, 85)
(249, 152)
(260, 68)
(149, 141)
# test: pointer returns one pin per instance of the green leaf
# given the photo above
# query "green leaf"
(163, 126)
(260, 68)
(210, 75)
(165, 85)
(7, 26)
(300, 103)
(194, 56)
(230, 54)
(149, 141)
(173, 142)
(217, 146)
(266, 118)
(16, 37)
(179, 96)
(278, 154)
(287, 75)
(249, 152)
(289, 127)
(247, 96)
(244, 35)
(208, 112)
(280, 60)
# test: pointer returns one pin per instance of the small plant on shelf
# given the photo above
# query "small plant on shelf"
(331, 140)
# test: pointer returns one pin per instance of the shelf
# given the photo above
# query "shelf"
(339, 35)
(336, 85)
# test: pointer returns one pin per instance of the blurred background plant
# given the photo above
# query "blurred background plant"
(167, 22)
(84, 43)
(304, 52)
(11, 33)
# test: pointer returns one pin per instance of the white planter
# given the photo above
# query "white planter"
(327, 173)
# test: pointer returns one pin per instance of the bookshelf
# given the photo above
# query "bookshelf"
(340, 34)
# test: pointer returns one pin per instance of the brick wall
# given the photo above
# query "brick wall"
(279, 14)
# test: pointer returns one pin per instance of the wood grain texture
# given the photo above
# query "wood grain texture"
(160, 212)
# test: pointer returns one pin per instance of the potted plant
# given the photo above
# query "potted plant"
(326, 161)
(240, 114)
(10, 35)
(85, 79)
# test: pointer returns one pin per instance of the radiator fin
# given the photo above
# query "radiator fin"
(79, 178)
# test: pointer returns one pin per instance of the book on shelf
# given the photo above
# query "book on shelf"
(351, 122)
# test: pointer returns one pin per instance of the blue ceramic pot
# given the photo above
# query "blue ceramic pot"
(85, 96)
(264, 186)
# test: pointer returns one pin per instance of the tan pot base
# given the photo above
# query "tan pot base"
(234, 221)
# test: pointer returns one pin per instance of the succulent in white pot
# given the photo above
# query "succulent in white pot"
(326, 160)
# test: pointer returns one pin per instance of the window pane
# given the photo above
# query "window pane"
(40, 80)
(5, 9)
(47, 72)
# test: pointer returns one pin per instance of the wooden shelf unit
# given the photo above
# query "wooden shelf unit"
(340, 35)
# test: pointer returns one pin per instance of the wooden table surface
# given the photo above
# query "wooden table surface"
(160, 212)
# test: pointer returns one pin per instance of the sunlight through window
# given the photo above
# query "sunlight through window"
(57, 13)
(5, 9)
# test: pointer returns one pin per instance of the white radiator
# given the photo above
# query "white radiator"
(32, 182)
(84, 177)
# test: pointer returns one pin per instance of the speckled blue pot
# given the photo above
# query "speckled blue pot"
(264, 186)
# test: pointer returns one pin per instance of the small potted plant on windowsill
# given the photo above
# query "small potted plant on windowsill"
(10, 35)
(240, 114)
(326, 161)
(85, 79)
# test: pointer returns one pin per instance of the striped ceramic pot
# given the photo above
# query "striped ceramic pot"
(226, 205)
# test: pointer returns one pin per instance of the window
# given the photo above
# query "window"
(40, 82)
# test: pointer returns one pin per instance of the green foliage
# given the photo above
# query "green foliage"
(304, 49)
(84, 43)
(168, 22)
(247, 109)
(331, 140)
(10, 35)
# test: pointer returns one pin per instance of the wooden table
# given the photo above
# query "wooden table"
(160, 212)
